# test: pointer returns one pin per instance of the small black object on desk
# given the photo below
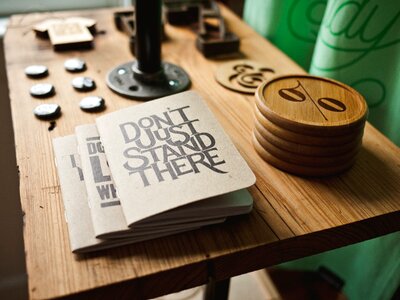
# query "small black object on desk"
(92, 104)
(42, 90)
(215, 40)
(47, 111)
(83, 84)
(75, 65)
(147, 77)
(36, 71)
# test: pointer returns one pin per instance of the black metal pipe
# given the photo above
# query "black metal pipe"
(148, 35)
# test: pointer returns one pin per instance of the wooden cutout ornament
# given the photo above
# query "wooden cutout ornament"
(243, 75)
(69, 33)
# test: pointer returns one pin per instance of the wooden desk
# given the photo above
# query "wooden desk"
(293, 217)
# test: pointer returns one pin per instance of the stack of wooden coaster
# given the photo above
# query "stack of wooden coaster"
(307, 125)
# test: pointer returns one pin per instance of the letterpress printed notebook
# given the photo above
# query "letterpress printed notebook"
(148, 171)
(78, 213)
(106, 212)
(170, 159)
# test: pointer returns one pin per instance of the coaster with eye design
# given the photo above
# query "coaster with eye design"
(312, 105)
(308, 125)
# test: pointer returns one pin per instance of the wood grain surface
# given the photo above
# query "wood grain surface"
(303, 149)
(303, 167)
(293, 216)
(306, 160)
(304, 139)
(312, 105)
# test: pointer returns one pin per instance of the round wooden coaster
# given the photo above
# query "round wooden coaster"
(304, 160)
(243, 75)
(307, 150)
(312, 105)
(306, 139)
(297, 169)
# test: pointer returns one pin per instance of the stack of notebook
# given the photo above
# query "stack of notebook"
(147, 171)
